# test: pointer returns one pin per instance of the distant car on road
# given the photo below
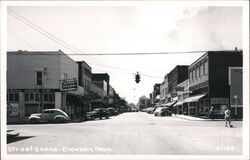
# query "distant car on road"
(49, 115)
(98, 113)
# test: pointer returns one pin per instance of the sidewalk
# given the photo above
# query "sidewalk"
(190, 118)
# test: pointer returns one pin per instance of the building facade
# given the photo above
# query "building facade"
(182, 94)
(156, 93)
(175, 77)
(164, 90)
(208, 82)
(35, 82)
(85, 76)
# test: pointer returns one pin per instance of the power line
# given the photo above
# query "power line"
(44, 32)
(53, 38)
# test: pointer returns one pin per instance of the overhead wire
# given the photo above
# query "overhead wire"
(80, 53)
(61, 42)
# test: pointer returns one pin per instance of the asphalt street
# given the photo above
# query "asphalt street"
(129, 133)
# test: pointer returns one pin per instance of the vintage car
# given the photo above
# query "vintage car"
(162, 111)
(112, 111)
(49, 115)
(97, 113)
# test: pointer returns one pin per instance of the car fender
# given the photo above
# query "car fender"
(35, 117)
(60, 116)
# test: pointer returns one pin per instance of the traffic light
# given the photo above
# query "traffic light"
(137, 77)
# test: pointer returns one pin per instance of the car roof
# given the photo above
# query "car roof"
(52, 109)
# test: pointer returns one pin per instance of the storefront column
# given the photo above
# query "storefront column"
(21, 106)
(63, 101)
(58, 100)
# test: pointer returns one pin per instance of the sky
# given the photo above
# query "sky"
(128, 29)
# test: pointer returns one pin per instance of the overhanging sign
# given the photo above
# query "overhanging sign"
(69, 85)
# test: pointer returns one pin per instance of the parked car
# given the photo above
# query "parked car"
(49, 115)
(162, 111)
(97, 113)
(112, 111)
(150, 110)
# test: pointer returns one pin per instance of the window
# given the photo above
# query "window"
(16, 97)
(205, 67)
(31, 97)
(65, 76)
(46, 97)
(190, 76)
(39, 78)
(197, 72)
(201, 70)
(36, 97)
(26, 97)
(193, 74)
(11, 98)
(50, 98)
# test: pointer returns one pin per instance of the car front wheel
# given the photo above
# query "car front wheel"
(58, 120)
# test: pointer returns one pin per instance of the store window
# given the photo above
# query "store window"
(31, 108)
(39, 78)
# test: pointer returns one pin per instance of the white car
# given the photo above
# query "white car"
(49, 115)
(162, 111)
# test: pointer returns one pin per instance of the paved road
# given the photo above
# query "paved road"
(129, 133)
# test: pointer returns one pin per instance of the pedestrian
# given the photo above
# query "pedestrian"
(228, 116)
(211, 113)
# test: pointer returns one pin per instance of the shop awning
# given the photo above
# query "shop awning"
(178, 103)
(194, 98)
(171, 103)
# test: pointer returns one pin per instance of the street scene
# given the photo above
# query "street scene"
(129, 133)
(137, 79)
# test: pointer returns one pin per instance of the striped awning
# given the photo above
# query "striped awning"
(194, 98)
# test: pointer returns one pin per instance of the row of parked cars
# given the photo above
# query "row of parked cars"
(59, 116)
(158, 111)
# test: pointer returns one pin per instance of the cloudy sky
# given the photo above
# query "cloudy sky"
(128, 29)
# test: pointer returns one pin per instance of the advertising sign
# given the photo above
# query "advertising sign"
(69, 85)
(14, 109)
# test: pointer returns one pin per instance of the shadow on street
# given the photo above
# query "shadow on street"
(12, 139)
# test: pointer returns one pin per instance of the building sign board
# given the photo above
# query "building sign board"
(69, 85)
(14, 109)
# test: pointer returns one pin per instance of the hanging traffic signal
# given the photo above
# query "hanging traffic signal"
(137, 77)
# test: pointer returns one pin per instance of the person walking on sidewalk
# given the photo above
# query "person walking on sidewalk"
(211, 113)
(228, 116)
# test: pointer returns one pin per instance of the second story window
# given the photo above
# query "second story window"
(39, 78)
